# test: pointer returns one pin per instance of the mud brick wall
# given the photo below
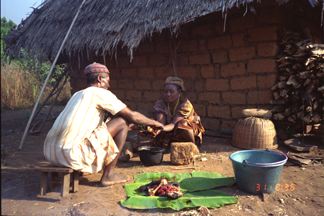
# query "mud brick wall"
(224, 72)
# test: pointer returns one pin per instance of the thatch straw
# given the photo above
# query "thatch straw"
(104, 25)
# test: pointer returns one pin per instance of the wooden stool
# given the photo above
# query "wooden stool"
(69, 177)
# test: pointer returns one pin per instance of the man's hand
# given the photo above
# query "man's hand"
(157, 125)
(152, 131)
(155, 130)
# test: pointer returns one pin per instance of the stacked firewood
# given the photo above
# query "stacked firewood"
(299, 91)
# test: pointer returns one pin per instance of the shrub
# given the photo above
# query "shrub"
(19, 89)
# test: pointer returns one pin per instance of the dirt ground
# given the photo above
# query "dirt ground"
(20, 184)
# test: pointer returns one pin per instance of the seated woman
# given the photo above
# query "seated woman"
(178, 114)
(182, 123)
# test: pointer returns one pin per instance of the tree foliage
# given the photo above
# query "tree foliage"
(25, 61)
(6, 27)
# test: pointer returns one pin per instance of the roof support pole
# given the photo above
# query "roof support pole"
(48, 76)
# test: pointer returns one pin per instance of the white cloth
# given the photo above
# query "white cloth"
(79, 137)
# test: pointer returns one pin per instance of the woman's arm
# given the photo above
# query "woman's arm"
(160, 117)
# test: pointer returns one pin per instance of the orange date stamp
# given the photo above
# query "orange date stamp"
(284, 187)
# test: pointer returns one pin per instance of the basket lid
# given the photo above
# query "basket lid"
(261, 113)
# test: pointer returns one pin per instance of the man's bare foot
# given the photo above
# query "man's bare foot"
(113, 179)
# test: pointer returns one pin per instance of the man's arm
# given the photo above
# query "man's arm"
(138, 118)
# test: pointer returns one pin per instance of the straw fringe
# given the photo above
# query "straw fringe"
(105, 25)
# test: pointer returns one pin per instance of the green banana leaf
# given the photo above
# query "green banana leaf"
(198, 188)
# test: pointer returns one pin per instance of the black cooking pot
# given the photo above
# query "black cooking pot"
(150, 155)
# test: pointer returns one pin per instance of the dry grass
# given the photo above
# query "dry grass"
(20, 89)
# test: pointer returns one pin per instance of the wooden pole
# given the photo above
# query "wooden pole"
(48, 76)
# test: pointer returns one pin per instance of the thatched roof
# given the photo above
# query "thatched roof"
(104, 25)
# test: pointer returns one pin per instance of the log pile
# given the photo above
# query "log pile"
(299, 92)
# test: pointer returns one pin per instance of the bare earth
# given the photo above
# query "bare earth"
(20, 185)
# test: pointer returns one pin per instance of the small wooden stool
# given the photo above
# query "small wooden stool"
(69, 178)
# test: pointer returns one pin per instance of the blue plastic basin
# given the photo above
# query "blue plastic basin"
(257, 171)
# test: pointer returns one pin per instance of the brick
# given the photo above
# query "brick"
(263, 34)
(202, 45)
(270, 15)
(113, 84)
(145, 73)
(123, 61)
(203, 31)
(128, 73)
(187, 72)
(151, 96)
(262, 66)
(192, 96)
(232, 69)
(243, 83)
(185, 33)
(190, 45)
(145, 47)
(125, 84)
(132, 105)
(217, 85)
(210, 97)
(234, 97)
(189, 85)
(200, 110)
(158, 60)
(220, 56)
(241, 23)
(110, 62)
(133, 95)
(199, 59)
(266, 81)
(115, 72)
(220, 42)
(237, 111)
(182, 60)
(145, 108)
(162, 46)
(228, 124)
(139, 61)
(157, 84)
(207, 71)
(121, 94)
(242, 53)
(218, 111)
(217, 70)
(211, 123)
(267, 49)
(199, 85)
(142, 84)
(162, 72)
(240, 39)
(259, 97)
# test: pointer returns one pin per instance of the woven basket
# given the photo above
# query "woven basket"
(254, 133)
